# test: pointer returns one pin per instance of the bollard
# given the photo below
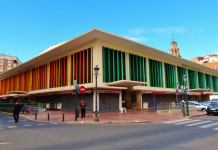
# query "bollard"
(35, 116)
(63, 117)
(48, 116)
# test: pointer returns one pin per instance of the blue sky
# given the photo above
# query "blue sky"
(28, 27)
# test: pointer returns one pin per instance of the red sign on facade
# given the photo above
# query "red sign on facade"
(82, 89)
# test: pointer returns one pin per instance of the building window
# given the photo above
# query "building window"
(0, 72)
(9, 61)
(215, 67)
(9, 67)
(1, 60)
(1, 67)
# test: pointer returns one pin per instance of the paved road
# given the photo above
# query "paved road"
(197, 133)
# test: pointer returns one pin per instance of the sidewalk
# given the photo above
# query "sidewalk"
(133, 116)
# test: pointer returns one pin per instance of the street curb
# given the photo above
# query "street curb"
(109, 122)
(196, 116)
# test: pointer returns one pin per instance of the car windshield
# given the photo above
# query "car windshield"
(204, 103)
(213, 106)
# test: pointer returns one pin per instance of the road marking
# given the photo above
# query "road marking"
(5, 143)
(54, 123)
(40, 124)
(177, 121)
(209, 125)
(194, 124)
(187, 122)
(12, 126)
(11, 121)
(28, 125)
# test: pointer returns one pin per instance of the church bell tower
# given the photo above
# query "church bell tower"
(174, 50)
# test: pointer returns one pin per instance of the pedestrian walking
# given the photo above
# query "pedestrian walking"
(82, 105)
(123, 107)
(16, 111)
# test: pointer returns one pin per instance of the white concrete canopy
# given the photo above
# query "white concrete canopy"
(125, 83)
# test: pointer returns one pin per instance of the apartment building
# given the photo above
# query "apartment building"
(8, 62)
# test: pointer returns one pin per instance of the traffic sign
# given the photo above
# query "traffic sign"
(82, 89)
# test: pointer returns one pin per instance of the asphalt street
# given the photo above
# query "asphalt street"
(191, 134)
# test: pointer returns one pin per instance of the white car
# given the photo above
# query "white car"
(199, 106)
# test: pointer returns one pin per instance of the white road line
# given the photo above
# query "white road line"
(5, 143)
(177, 121)
(215, 128)
(194, 124)
(209, 125)
(41, 124)
(12, 126)
(28, 125)
(54, 123)
(187, 122)
(11, 121)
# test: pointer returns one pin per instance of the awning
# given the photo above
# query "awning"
(200, 90)
(18, 92)
(125, 83)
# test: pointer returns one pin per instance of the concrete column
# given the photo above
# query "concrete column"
(120, 101)
(141, 101)
(164, 81)
(148, 72)
(98, 101)
(94, 101)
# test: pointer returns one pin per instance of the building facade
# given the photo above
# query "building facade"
(142, 75)
(8, 62)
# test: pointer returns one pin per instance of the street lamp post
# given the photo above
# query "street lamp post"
(187, 110)
(96, 69)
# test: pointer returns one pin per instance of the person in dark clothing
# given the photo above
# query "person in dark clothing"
(123, 107)
(82, 105)
(16, 111)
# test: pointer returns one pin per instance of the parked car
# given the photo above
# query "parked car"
(198, 105)
(208, 103)
(212, 109)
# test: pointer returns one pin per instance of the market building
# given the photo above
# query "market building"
(142, 75)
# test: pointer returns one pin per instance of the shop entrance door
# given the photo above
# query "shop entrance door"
(108, 101)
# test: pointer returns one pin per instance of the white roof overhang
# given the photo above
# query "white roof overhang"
(125, 83)
(99, 34)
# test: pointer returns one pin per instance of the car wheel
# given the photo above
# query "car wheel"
(203, 109)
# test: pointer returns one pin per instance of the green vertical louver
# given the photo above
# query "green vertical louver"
(209, 81)
(156, 73)
(170, 75)
(114, 65)
(215, 86)
(201, 80)
(180, 72)
(137, 68)
(192, 76)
